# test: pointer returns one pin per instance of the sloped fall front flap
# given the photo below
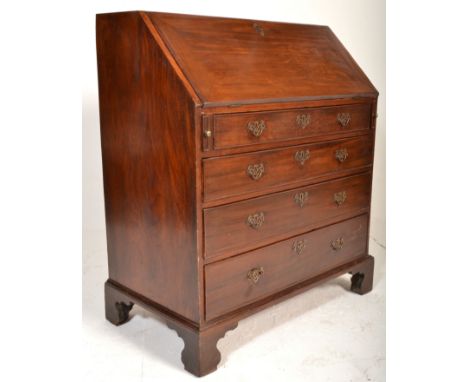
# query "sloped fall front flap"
(234, 61)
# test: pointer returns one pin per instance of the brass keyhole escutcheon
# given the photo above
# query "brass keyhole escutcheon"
(258, 28)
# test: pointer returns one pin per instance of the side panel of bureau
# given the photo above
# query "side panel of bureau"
(148, 149)
(240, 280)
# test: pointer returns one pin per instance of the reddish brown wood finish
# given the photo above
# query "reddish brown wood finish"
(200, 355)
(232, 130)
(149, 196)
(175, 94)
(227, 230)
(363, 265)
(228, 176)
(232, 61)
(228, 286)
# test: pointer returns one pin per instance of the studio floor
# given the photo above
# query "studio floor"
(324, 334)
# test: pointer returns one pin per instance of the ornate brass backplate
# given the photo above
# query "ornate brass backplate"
(343, 119)
(256, 220)
(255, 274)
(302, 156)
(299, 246)
(341, 155)
(340, 197)
(256, 171)
(303, 120)
(256, 128)
(301, 198)
(337, 244)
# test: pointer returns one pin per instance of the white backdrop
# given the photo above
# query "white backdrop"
(321, 335)
(326, 336)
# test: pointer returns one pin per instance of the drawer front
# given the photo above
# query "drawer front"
(233, 130)
(245, 225)
(238, 281)
(238, 175)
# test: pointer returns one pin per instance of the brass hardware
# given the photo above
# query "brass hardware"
(256, 171)
(301, 198)
(259, 29)
(343, 119)
(256, 220)
(255, 274)
(207, 133)
(340, 197)
(303, 120)
(299, 246)
(337, 244)
(301, 156)
(256, 127)
(341, 155)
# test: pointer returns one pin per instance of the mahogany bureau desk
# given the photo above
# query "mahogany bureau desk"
(237, 162)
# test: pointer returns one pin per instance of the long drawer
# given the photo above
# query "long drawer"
(260, 171)
(245, 225)
(232, 130)
(240, 280)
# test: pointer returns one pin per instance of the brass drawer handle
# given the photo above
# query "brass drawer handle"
(256, 171)
(256, 127)
(343, 119)
(340, 197)
(299, 246)
(337, 244)
(301, 198)
(303, 120)
(341, 155)
(302, 156)
(256, 220)
(255, 274)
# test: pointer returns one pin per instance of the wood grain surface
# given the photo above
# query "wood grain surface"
(146, 128)
(228, 286)
(228, 176)
(232, 61)
(232, 130)
(227, 230)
